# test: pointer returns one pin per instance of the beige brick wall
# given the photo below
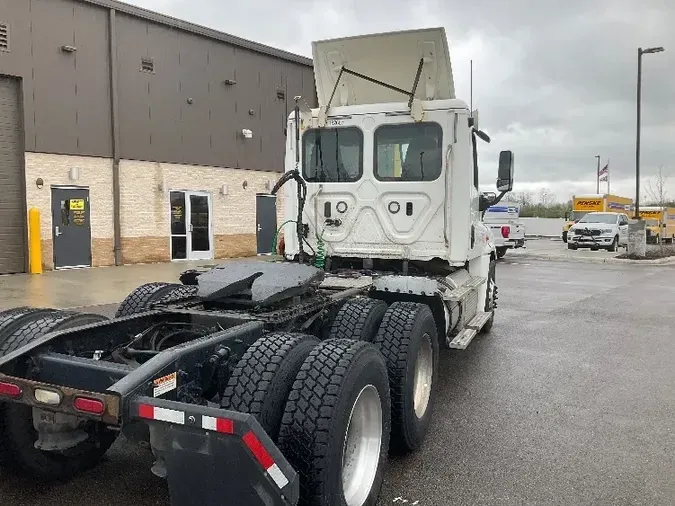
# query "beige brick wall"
(94, 173)
(144, 208)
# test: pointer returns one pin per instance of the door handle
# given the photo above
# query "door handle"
(259, 227)
(57, 232)
(192, 228)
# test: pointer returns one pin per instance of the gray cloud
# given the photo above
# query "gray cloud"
(554, 81)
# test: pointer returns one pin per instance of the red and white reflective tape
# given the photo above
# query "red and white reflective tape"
(223, 426)
(161, 414)
(265, 459)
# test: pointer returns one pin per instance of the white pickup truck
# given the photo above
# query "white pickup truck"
(503, 221)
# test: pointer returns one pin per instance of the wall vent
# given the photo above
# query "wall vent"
(4, 37)
(148, 65)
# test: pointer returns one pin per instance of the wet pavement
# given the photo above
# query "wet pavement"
(86, 287)
(570, 400)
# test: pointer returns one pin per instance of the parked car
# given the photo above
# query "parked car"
(599, 230)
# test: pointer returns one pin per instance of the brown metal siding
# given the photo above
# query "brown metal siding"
(67, 95)
(17, 61)
(71, 90)
(12, 203)
(157, 120)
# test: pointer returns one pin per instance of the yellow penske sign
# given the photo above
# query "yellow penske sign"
(584, 204)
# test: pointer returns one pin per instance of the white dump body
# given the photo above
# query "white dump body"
(503, 220)
(399, 183)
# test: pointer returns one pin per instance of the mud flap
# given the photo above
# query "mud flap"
(214, 456)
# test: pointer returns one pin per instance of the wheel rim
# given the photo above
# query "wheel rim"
(424, 370)
(361, 450)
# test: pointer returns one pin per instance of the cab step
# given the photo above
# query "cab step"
(462, 291)
(462, 340)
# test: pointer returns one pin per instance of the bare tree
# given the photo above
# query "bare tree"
(657, 193)
(656, 190)
(524, 198)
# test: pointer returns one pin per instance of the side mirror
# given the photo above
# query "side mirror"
(505, 172)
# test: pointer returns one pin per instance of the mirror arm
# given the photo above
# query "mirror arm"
(485, 202)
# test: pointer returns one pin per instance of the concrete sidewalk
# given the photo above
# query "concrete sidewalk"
(86, 287)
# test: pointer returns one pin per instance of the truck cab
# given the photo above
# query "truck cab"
(391, 175)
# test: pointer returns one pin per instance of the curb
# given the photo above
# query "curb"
(591, 260)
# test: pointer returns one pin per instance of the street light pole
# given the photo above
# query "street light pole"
(597, 176)
(637, 135)
(637, 240)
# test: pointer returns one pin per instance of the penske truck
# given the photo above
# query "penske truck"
(659, 223)
(601, 203)
(288, 381)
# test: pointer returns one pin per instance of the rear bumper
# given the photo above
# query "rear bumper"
(215, 456)
(514, 243)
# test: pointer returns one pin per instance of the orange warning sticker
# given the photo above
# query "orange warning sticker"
(164, 384)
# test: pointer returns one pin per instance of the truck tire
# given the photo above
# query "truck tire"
(151, 293)
(11, 319)
(17, 434)
(501, 251)
(615, 245)
(263, 378)
(571, 246)
(491, 296)
(358, 319)
(340, 395)
(408, 339)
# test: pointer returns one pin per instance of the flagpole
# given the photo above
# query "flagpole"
(597, 176)
(608, 176)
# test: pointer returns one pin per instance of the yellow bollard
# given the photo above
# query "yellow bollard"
(34, 241)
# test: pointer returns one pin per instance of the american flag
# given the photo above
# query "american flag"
(604, 173)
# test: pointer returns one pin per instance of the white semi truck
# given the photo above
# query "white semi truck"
(503, 221)
(287, 382)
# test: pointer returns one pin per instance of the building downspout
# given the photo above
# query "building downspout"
(114, 118)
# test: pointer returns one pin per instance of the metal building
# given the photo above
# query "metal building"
(139, 137)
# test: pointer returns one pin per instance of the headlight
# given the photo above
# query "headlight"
(607, 231)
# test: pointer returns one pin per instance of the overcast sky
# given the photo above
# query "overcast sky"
(553, 81)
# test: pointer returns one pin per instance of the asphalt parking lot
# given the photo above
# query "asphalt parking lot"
(570, 400)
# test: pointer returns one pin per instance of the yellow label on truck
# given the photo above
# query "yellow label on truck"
(588, 205)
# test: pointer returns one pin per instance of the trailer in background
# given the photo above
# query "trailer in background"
(659, 223)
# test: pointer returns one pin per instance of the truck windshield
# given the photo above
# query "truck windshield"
(608, 219)
(409, 152)
(577, 215)
(332, 155)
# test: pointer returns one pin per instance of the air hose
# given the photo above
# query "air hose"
(320, 258)
(276, 235)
